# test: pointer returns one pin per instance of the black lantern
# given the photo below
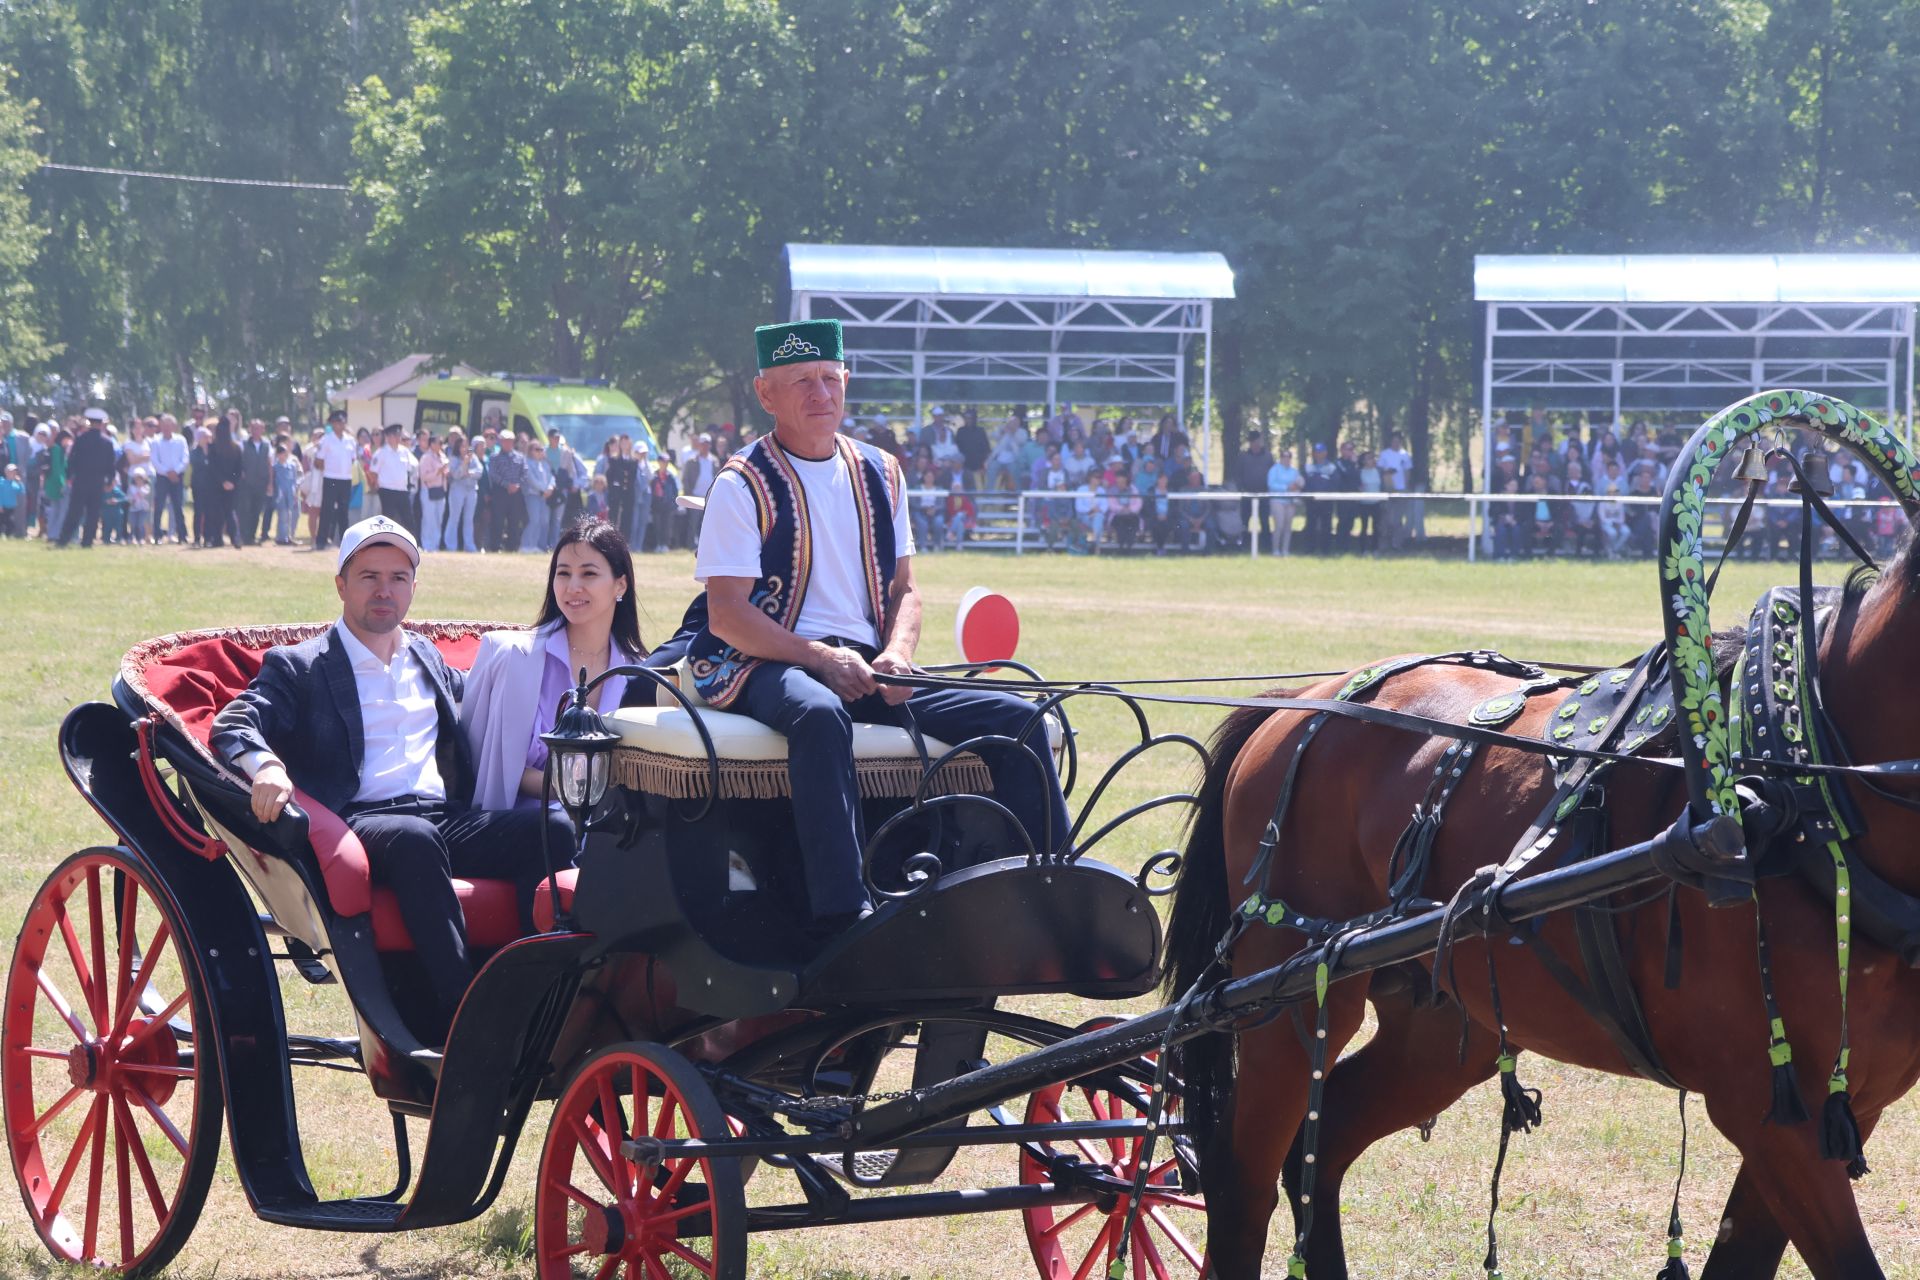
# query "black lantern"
(581, 747)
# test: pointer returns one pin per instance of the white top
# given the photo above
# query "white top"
(336, 454)
(1398, 464)
(169, 454)
(399, 722)
(391, 465)
(699, 475)
(836, 603)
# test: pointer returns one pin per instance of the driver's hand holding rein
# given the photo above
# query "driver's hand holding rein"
(806, 551)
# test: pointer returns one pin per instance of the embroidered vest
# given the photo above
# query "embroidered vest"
(786, 549)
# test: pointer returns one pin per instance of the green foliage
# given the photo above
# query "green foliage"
(23, 339)
(603, 186)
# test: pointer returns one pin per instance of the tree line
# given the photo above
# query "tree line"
(602, 187)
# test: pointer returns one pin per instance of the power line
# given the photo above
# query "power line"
(188, 177)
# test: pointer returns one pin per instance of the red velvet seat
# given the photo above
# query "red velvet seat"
(196, 678)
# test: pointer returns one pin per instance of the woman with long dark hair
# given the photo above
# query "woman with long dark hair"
(589, 619)
(223, 481)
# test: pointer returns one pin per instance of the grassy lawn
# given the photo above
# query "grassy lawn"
(1585, 1196)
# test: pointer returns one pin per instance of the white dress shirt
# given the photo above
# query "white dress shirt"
(169, 455)
(398, 721)
(337, 454)
(399, 725)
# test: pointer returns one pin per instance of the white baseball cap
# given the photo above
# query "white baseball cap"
(377, 531)
(95, 415)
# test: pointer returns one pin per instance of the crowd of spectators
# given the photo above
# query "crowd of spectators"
(221, 479)
(1113, 484)
(1593, 493)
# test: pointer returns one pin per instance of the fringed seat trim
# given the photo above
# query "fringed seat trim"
(685, 778)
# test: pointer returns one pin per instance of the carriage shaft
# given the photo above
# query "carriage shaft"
(1375, 947)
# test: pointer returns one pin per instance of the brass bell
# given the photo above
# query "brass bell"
(1814, 463)
(1753, 464)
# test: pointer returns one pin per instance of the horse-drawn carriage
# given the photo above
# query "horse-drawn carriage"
(691, 1039)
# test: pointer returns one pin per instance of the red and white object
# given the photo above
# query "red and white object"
(987, 626)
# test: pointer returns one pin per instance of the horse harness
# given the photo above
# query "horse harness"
(1626, 715)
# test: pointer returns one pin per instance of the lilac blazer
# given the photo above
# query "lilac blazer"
(500, 706)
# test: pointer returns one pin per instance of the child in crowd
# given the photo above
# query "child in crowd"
(139, 506)
(286, 494)
(12, 495)
(597, 498)
(113, 520)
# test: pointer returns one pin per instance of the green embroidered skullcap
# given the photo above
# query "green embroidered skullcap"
(797, 341)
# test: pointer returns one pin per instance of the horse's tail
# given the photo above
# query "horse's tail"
(1201, 909)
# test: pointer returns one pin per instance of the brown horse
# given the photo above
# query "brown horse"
(1356, 786)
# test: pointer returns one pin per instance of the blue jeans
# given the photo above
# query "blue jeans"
(826, 799)
(459, 534)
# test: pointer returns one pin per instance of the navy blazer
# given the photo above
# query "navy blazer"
(304, 707)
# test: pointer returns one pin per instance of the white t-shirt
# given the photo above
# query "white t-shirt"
(337, 454)
(836, 603)
(390, 467)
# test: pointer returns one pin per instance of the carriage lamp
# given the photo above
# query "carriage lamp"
(582, 749)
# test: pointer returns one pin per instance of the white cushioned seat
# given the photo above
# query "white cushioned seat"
(671, 731)
(661, 752)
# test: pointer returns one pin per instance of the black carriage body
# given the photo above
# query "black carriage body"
(724, 975)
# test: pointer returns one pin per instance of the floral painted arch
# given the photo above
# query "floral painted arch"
(1706, 745)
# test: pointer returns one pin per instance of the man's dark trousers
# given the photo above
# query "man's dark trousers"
(414, 847)
(335, 496)
(397, 506)
(85, 500)
(826, 799)
(169, 496)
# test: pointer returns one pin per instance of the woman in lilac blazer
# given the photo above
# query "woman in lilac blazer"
(513, 693)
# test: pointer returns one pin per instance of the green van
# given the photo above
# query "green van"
(587, 413)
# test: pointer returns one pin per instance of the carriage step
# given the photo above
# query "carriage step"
(868, 1166)
(337, 1215)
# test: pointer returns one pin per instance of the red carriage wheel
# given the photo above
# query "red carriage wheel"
(1078, 1242)
(600, 1213)
(100, 1050)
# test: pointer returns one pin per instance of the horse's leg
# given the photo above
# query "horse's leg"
(1410, 1071)
(1750, 1241)
(1812, 1198)
(1240, 1169)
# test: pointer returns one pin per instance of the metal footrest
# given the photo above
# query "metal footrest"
(869, 1167)
(337, 1215)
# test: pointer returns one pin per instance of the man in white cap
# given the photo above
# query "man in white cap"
(364, 719)
(89, 476)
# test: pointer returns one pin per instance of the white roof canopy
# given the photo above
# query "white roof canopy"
(1006, 273)
(1688, 277)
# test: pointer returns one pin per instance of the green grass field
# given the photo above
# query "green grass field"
(1585, 1196)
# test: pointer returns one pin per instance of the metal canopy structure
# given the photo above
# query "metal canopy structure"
(1009, 326)
(1632, 333)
